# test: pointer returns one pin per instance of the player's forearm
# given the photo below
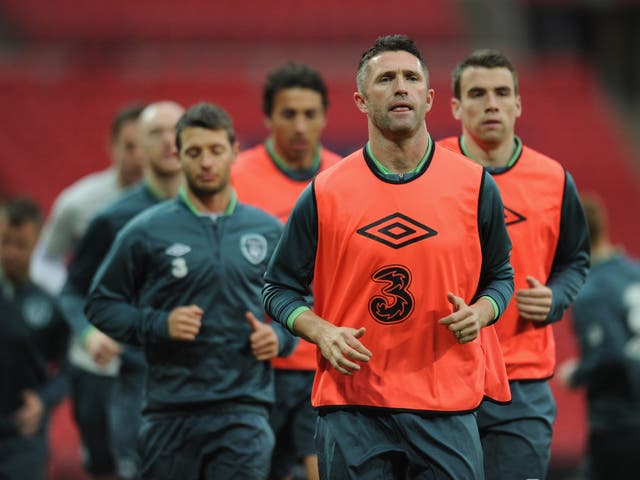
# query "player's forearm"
(496, 275)
(310, 326)
(485, 311)
(72, 306)
(117, 319)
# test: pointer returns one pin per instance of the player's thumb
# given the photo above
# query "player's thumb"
(253, 322)
(359, 333)
(533, 282)
(195, 309)
(455, 301)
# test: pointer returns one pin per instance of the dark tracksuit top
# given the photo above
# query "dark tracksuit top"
(92, 249)
(609, 340)
(171, 256)
(32, 335)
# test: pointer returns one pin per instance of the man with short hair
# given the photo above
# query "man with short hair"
(161, 181)
(406, 248)
(272, 176)
(33, 335)
(76, 204)
(550, 258)
(605, 314)
(183, 280)
(71, 213)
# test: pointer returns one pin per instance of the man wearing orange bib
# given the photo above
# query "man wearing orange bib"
(271, 176)
(407, 250)
(550, 259)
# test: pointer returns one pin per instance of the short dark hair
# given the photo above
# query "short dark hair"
(292, 75)
(21, 210)
(205, 115)
(486, 59)
(388, 43)
(128, 113)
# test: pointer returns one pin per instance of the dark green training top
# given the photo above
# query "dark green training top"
(92, 249)
(171, 256)
(606, 317)
(32, 336)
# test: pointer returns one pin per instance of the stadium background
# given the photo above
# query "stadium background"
(66, 66)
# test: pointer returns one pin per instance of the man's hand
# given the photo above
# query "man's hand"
(339, 345)
(185, 322)
(342, 348)
(534, 303)
(465, 322)
(264, 341)
(29, 416)
(101, 347)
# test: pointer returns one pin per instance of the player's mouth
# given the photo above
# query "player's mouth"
(207, 178)
(299, 143)
(401, 107)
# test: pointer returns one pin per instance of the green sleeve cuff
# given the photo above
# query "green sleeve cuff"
(496, 309)
(85, 333)
(294, 315)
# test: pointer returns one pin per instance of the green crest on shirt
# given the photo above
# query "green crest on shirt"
(253, 247)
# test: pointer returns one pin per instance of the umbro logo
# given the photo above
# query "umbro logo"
(511, 217)
(178, 250)
(397, 231)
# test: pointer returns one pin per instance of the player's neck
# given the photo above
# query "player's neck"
(399, 155)
(164, 186)
(305, 161)
(490, 154)
(211, 203)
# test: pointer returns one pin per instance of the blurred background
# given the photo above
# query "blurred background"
(67, 66)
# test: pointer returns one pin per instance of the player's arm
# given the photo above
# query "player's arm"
(36, 403)
(290, 270)
(111, 304)
(288, 277)
(57, 334)
(601, 340)
(571, 261)
(48, 266)
(496, 274)
(92, 248)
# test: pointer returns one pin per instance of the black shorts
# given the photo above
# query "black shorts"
(91, 396)
(366, 444)
(232, 443)
(293, 420)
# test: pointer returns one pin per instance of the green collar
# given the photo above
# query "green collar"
(233, 202)
(282, 165)
(153, 191)
(385, 171)
(517, 150)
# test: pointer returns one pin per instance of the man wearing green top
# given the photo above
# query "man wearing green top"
(121, 417)
(183, 280)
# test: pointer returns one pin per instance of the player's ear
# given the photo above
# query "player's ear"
(455, 108)
(361, 102)
(518, 106)
(431, 93)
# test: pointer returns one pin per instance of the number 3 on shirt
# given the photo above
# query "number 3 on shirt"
(395, 302)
